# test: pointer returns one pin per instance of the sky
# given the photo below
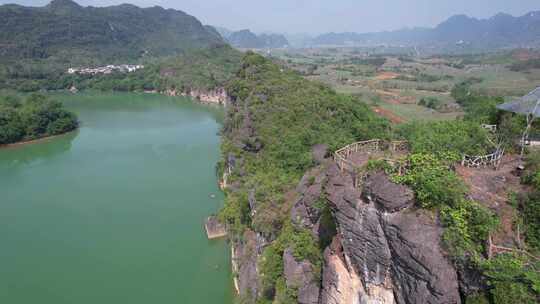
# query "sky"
(321, 16)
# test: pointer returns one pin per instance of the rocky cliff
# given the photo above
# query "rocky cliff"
(318, 239)
(392, 248)
(385, 250)
(216, 96)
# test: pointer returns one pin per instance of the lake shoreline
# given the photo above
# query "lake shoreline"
(81, 198)
(34, 141)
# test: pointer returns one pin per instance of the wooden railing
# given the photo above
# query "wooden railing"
(399, 146)
(483, 161)
(490, 128)
(342, 155)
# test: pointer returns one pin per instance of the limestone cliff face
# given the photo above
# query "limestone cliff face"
(385, 251)
(301, 276)
(216, 96)
(244, 263)
(341, 283)
(393, 248)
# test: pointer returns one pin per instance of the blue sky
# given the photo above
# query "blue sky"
(318, 16)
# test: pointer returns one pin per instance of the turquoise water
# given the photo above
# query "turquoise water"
(113, 213)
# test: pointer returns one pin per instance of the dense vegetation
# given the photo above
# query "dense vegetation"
(40, 44)
(276, 118)
(195, 69)
(64, 32)
(34, 117)
(525, 65)
(511, 278)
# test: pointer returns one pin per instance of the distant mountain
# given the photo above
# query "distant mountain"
(249, 40)
(499, 31)
(224, 32)
(274, 40)
(69, 31)
(299, 40)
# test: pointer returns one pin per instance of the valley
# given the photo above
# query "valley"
(392, 167)
(405, 87)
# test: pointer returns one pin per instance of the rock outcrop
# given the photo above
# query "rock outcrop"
(216, 96)
(244, 264)
(394, 250)
(214, 229)
(306, 213)
(300, 276)
(385, 251)
(386, 195)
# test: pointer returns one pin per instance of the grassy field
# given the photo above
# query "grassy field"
(397, 83)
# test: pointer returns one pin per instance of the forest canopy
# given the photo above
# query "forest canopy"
(33, 117)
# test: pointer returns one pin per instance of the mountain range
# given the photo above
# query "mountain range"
(499, 31)
(249, 40)
(125, 32)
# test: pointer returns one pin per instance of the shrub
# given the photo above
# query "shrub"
(467, 225)
(512, 279)
(458, 137)
(477, 298)
(430, 102)
(303, 247)
(432, 180)
(511, 292)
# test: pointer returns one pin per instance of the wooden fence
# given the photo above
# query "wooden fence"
(342, 155)
(484, 161)
(490, 128)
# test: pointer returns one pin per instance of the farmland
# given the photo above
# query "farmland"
(404, 87)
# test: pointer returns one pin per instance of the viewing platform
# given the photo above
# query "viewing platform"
(214, 229)
(353, 158)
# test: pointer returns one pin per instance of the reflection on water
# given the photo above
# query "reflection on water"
(34, 152)
(113, 213)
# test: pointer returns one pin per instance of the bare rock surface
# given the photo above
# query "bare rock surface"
(399, 250)
(306, 211)
(299, 275)
(342, 285)
(387, 195)
(245, 265)
(318, 153)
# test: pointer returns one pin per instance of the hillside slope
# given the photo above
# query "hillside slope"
(121, 33)
(380, 221)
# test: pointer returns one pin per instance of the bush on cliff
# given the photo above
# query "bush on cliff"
(458, 137)
(512, 279)
(435, 185)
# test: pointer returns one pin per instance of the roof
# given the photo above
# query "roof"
(523, 105)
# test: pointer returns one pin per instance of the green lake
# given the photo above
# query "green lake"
(113, 213)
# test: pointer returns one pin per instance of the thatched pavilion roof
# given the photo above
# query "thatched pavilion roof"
(524, 105)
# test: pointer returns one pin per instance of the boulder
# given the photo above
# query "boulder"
(318, 153)
(387, 195)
